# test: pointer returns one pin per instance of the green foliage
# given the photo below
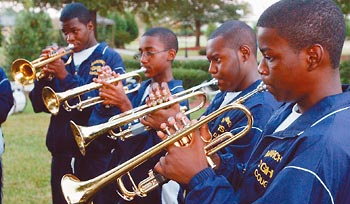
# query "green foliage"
(125, 30)
(347, 23)
(26, 161)
(202, 51)
(32, 33)
(344, 5)
(345, 72)
(191, 77)
(210, 29)
(1, 37)
(202, 65)
(191, 72)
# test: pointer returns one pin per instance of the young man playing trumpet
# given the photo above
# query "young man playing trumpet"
(157, 50)
(303, 154)
(88, 57)
(231, 51)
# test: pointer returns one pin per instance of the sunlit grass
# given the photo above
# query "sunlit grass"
(26, 161)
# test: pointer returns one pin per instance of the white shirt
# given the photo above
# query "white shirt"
(228, 98)
(79, 57)
(290, 119)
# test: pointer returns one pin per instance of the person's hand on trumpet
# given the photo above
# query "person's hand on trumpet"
(159, 94)
(182, 163)
(56, 68)
(113, 94)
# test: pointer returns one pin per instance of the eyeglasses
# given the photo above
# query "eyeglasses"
(147, 54)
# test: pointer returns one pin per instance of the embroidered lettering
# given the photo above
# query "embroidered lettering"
(274, 155)
(265, 169)
(260, 179)
(96, 65)
(227, 121)
(221, 128)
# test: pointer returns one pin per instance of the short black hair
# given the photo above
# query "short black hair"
(166, 37)
(76, 10)
(307, 22)
(236, 33)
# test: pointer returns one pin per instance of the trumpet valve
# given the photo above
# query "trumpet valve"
(150, 183)
(184, 141)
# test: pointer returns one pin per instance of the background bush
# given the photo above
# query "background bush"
(191, 77)
(191, 72)
(188, 64)
(32, 32)
(125, 30)
(345, 72)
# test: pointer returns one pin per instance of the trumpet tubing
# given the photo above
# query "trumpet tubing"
(25, 72)
(76, 191)
(53, 100)
(85, 135)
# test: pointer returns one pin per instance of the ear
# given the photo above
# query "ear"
(315, 54)
(171, 54)
(245, 52)
(90, 25)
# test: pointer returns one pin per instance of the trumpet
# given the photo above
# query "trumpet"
(25, 72)
(53, 100)
(85, 135)
(76, 191)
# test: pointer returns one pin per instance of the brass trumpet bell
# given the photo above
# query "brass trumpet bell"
(85, 135)
(76, 191)
(53, 100)
(25, 72)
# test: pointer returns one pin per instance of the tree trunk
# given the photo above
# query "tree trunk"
(94, 21)
(198, 32)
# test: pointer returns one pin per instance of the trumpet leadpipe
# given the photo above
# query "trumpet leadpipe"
(53, 100)
(76, 191)
(25, 72)
(85, 135)
(89, 133)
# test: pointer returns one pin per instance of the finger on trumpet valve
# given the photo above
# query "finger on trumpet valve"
(152, 98)
(184, 121)
(165, 96)
(166, 130)
(175, 127)
(159, 101)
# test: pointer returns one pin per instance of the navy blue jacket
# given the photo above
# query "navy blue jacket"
(308, 162)
(261, 105)
(138, 144)
(6, 98)
(59, 138)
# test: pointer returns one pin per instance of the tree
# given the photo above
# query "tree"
(195, 12)
(344, 6)
(32, 33)
(198, 12)
(125, 29)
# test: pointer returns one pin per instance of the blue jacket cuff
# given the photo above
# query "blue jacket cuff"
(201, 177)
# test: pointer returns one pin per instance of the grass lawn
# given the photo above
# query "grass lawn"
(26, 161)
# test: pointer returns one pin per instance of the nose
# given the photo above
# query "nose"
(69, 37)
(143, 58)
(212, 68)
(262, 68)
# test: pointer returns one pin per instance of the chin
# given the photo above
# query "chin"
(148, 75)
